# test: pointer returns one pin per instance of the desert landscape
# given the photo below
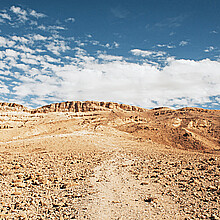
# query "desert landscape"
(104, 160)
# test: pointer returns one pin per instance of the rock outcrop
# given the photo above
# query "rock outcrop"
(71, 106)
(86, 106)
(13, 107)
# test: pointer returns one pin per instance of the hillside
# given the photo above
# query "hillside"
(186, 128)
(104, 160)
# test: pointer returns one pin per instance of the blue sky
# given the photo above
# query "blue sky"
(148, 53)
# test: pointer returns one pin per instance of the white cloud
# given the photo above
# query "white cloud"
(2, 54)
(11, 53)
(183, 43)
(181, 82)
(21, 13)
(5, 42)
(116, 45)
(37, 37)
(29, 61)
(209, 49)
(24, 49)
(70, 20)
(104, 76)
(52, 28)
(42, 27)
(22, 66)
(214, 32)
(166, 45)
(109, 57)
(20, 39)
(33, 23)
(37, 15)
(3, 88)
(51, 59)
(57, 46)
(147, 53)
(143, 53)
(79, 43)
(108, 45)
(6, 16)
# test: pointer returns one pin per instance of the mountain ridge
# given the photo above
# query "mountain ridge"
(86, 106)
(185, 128)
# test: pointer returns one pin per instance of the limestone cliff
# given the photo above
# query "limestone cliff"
(13, 107)
(86, 106)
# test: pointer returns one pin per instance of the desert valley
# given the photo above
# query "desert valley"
(104, 160)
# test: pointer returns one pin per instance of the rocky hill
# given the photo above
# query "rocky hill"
(186, 128)
(4, 106)
(103, 160)
(72, 106)
(86, 106)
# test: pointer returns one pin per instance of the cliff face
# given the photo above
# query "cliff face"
(72, 106)
(87, 106)
(13, 107)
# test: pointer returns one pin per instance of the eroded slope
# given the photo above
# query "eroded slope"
(105, 164)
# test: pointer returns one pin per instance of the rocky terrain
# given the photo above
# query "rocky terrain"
(97, 160)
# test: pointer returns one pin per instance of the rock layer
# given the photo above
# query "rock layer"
(86, 106)
(4, 106)
(72, 106)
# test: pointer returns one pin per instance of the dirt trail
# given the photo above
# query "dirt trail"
(58, 166)
(118, 195)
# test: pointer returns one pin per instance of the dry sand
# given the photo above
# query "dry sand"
(108, 165)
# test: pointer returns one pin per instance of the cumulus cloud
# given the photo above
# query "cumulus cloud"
(36, 14)
(57, 46)
(5, 16)
(110, 78)
(180, 83)
(5, 42)
(42, 67)
(138, 52)
(21, 13)
(20, 39)
(11, 53)
(24, 49)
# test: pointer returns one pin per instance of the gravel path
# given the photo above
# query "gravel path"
(54, 167)
(118, 195)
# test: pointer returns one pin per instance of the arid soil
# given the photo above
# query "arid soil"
(90, 160)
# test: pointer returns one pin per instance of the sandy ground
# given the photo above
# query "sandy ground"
(56, 166)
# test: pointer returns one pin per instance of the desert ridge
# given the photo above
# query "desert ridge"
(89, 160)
(72, 106)
(185, 128)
